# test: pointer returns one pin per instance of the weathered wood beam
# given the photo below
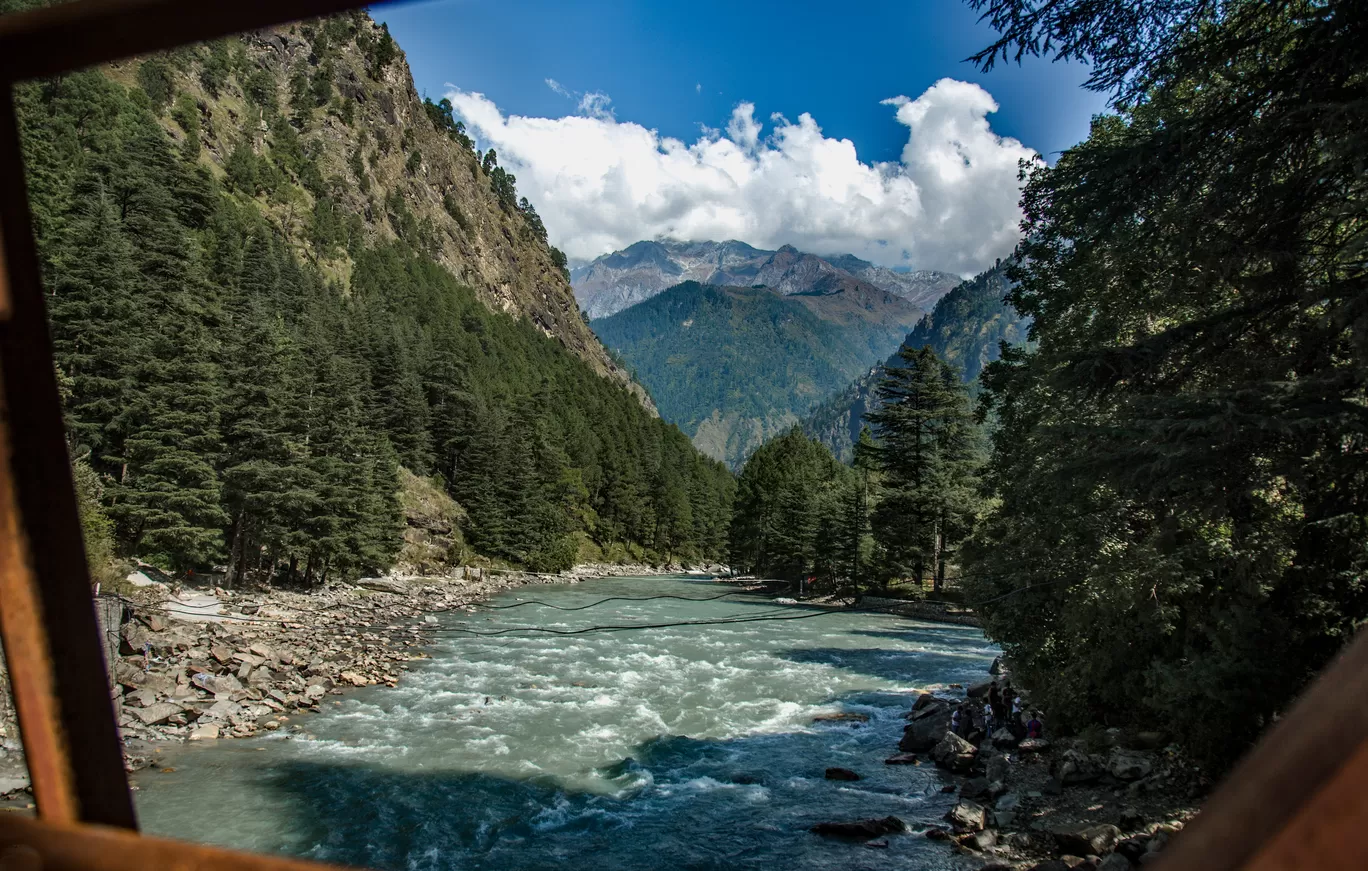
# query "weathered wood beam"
(70, 36)
(26, 844)
(47, 613)
(1298, 799)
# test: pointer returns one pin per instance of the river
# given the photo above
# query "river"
(686, 747)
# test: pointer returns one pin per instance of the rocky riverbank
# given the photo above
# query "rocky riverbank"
(1108, 803)
(203, 663)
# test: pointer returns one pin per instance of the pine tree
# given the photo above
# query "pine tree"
(94, 320)
(167, 498)
(926, 452)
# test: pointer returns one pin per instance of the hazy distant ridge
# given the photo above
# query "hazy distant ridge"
(624, 278)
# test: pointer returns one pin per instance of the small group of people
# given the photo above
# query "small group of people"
(1003, 707)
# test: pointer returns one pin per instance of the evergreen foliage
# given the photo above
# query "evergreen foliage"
(237, 407)
(1180, 539)
(735, 365)
(927, 448)
(968, 328)
(791, 511)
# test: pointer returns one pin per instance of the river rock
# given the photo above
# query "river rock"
(1004, 738)
(980, 841)
(864, 829)
(922, 701)
(836, 773)
(10, 785)
(926, 726)
(954, 753)
(1114, 862)
(841, 717)
(967, 816)
(204, 732)
(1132, 848)
(1075, 766)
(1005, 809)
(997, 768)
(979, 690)
(157, 713)
(1129, 764)
(901, 759)
(384, 585)
(974, 787)
(1033, 745)
(1092, 840)
(996, 668)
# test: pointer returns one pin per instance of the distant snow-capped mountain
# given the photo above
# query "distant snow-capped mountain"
(624, 278)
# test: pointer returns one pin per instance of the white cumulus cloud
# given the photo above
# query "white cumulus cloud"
(600, 184)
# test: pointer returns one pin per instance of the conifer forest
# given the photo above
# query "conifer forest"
(1137, 448)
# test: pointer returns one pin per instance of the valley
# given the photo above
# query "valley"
(996, 547)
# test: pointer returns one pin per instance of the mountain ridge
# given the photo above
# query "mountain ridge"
(966, 329)
(386, 157)
(733, 366)
(616, 281)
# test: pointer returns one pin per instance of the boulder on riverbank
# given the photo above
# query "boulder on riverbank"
(861, 829)
(929, 720)
(953, 753)
(967, 816)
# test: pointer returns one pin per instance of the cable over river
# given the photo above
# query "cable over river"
(681, 747)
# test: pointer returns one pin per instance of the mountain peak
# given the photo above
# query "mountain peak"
(643, 269)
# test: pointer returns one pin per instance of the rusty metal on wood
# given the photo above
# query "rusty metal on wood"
(1257, 817)
(47, 617)
(57, 668)
(1294, 802)
(100, 848)
(69, 36)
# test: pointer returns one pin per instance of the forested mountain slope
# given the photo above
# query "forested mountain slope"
(733, 366)
(624, 278)
(356, 150)
(966, 329)
(274, 276)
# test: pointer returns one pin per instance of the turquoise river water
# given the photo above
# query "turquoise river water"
(687, 747)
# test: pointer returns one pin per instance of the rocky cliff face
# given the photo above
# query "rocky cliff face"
(383, 159)
(624, 278)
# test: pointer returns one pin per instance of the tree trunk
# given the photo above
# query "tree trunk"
(235, 551)
(938, 555)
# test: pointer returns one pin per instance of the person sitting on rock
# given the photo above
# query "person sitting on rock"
(1035, 728)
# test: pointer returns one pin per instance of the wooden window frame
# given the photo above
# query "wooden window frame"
(1299, 800)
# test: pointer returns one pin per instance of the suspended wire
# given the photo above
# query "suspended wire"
(634, 626)
(611, 599)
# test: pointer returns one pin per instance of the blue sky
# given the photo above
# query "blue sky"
(836, 61)
(602, 173)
